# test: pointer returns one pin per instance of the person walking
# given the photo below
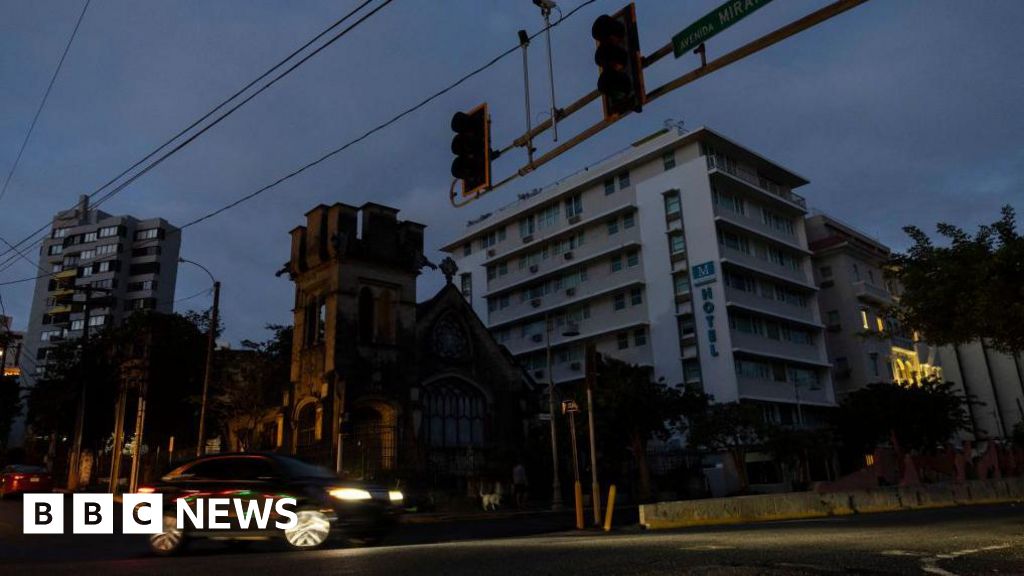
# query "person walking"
(519, 484)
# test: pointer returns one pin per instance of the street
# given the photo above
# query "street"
(959, 541)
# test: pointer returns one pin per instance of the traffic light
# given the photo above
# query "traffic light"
(472, 149)
(621, 82)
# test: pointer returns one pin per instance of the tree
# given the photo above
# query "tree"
(630, 408)
(10, 406)
(251, 383)
(922, 418)
(970, 289)
(731, 427)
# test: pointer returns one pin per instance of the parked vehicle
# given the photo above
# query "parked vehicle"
(326, 506)
(22, 478)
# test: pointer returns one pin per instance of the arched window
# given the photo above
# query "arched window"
(385, 318)
(366, 310)
(305, 428)
(453, 414)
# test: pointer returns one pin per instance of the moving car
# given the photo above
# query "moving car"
(326, 505)
(22, 478)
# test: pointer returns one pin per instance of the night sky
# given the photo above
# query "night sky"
(898, 112)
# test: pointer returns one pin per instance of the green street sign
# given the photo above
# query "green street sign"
(712, 23)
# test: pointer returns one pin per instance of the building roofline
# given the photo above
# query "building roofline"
(637, 153)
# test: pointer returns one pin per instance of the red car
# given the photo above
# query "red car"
(22, 478)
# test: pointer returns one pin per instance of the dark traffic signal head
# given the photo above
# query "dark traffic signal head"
(621, 82)
(472, 149)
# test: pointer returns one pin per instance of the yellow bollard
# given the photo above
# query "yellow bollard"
(579, 506)
(608, 510)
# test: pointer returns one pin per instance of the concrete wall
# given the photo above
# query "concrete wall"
(797, 505)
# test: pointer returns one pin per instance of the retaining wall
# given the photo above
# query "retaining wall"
(797, 505)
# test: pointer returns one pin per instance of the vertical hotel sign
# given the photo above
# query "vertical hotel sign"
(703, 276)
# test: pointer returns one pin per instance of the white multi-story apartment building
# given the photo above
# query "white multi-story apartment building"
(130, 263)
(686, 252)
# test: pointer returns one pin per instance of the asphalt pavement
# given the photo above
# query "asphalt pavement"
(955, 541)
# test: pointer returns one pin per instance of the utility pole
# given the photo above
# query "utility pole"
(546, 6)
(140, 420)
(556, 485)
(201, 443)
(595, 486)
(74, 462)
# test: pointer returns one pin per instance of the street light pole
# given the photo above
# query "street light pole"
(75, 461)
(556, 485)
(595, 487)
(210, 342)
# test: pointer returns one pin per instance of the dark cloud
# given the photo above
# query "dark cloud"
(898, 112)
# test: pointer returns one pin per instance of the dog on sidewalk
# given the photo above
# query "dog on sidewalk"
(491, 500)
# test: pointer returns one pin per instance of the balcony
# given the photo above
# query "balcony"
(753, 224)
(751, 262)
(750, 176)
(763, 346)
(66, 274)
(760, 389)
(871, 293)
(61, 309)
(754, 301)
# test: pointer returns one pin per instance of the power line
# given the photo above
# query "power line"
(42, 104)
(212, 111)
(364, 136)
(381, 126)
(196, 295)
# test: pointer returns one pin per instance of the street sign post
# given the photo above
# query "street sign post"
(712, 23)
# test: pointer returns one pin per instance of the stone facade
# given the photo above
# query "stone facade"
(383, 388)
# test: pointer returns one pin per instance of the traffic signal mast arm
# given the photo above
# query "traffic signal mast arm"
(770, 39)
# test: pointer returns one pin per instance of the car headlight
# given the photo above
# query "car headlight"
(396, 495)
(350, 494)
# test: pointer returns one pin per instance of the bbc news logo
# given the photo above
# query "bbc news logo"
(144, 514)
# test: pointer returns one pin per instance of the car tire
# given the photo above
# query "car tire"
(311, 531)
(169, 542)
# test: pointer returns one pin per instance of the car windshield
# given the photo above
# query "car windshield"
(300, 469)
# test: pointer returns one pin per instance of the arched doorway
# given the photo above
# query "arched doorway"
(370, 449)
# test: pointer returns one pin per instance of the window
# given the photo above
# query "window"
(77, 324)
(305, 427)
(97, 320)
(613, 226)
(856, 274)
(108, 265)
(676, 243)
(146, 251)
(668, 159)
(864, 319)
(454, 413)
(623, 340)
(880, 324)
(144, 285)
(632, 258)
(548, 216)
(55, 249)
(59, 232)
(106, 249)
(616, 262)
(85, 271)
(144, 268)
(609, 187)
(527, 226)
(672, 205)
(826, 271)
(873, 358)
(832, 319)
(89, 237)
(687, 326)
(56, 268)
(574, 206)
(149, 234)
(728, 202)
(619, 301)
(681, 284)
(636, 296)
(466, 285)
(624, 180)
(629, 220)
(734, 241)
(108, 231)
(467, 249)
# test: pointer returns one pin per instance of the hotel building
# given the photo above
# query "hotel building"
(686, 252)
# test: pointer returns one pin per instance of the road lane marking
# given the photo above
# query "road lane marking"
(930, 564)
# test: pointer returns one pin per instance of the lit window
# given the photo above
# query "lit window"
(864, 319)
(880, 323)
